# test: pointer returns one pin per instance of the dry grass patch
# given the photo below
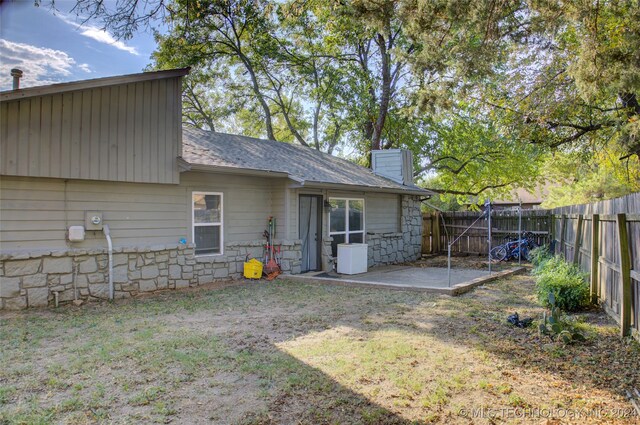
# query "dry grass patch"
(295, 353)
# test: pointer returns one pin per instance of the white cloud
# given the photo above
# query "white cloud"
(85, 67)
(99, 35)
(40, 65)
(106, 38)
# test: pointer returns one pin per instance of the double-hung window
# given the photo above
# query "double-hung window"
(207, 222)
(346, 222)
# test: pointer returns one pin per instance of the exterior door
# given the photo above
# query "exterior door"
(310, 227)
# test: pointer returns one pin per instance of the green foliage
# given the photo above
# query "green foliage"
(483, 93)
(539, 256)
(353, 76)
(558, 327)
(588, 176)
(475, 157)
(563, 282)
(571, 80)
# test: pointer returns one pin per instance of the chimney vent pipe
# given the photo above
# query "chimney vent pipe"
(16, 74)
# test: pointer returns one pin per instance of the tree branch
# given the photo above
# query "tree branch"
(459, 192)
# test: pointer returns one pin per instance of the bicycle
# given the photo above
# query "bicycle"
(513, 249)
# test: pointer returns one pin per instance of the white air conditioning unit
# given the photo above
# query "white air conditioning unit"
(352, 258)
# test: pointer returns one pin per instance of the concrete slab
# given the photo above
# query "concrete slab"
(429, 279)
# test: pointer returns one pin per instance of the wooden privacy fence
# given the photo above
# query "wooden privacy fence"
(604, 240)
(440, 228)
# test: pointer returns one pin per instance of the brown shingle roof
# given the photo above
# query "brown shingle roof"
(301, 163)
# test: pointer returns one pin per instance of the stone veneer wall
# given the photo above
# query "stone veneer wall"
(33, 279)
(406, 245)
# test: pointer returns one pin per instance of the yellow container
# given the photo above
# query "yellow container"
(253, 269)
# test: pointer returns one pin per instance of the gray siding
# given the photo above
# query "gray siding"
(36, 212)
(388, 163)
(278, 209)
(382, 210)
(127, 132)
(246, 202)
(382, 213)
(394, 164)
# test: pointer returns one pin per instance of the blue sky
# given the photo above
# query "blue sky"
(51, 46)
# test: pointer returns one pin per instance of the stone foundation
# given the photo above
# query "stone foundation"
(35, 279)
(406, 245)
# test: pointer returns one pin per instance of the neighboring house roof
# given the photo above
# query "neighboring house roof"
(23, 93)
(307, 166)
(526, 197)
(520, 195)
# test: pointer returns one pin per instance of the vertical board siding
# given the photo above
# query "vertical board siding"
(45, 136)
(22, 159)
(128, 132)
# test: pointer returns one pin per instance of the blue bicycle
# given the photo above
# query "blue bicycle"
(514, 249)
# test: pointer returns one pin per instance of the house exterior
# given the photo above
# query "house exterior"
(183, 207)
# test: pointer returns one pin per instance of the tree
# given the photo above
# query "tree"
(481, 91)
(475, 157)
(574, 76)
(581, 176)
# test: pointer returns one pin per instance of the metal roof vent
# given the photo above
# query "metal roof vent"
(16, 74)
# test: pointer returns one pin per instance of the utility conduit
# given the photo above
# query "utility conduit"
(107, 234)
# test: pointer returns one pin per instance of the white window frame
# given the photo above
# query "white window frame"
(346, 219)
(221, 223)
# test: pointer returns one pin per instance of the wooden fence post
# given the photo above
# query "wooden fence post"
(436, 233)
(563, 220)
(578, 241)
(552, 227)
(625, 275)
(595, 257)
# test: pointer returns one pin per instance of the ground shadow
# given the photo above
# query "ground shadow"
(251, 322)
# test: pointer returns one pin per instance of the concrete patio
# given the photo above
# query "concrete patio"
(428, 279)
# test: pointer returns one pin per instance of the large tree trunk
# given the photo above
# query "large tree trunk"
(263, 103)
(385, 96)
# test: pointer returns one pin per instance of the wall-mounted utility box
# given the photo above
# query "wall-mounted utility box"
(93, 220)
(76, 233)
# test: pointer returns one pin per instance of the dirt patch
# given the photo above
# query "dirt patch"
(225, 398)
(465, 261)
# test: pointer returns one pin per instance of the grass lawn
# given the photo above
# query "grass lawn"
(283, 352)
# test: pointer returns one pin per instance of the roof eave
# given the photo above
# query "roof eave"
(236, 171)
(338, 186)
(90, 84)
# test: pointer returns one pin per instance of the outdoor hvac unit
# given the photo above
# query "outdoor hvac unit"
(352, 258)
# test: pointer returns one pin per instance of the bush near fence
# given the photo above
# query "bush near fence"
(602, 238)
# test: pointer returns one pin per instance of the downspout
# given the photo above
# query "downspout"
(107, 234)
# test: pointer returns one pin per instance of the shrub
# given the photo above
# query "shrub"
(565, 281)
(557, 327)
(538, 256)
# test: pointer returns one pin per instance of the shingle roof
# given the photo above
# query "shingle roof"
(301, 163)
